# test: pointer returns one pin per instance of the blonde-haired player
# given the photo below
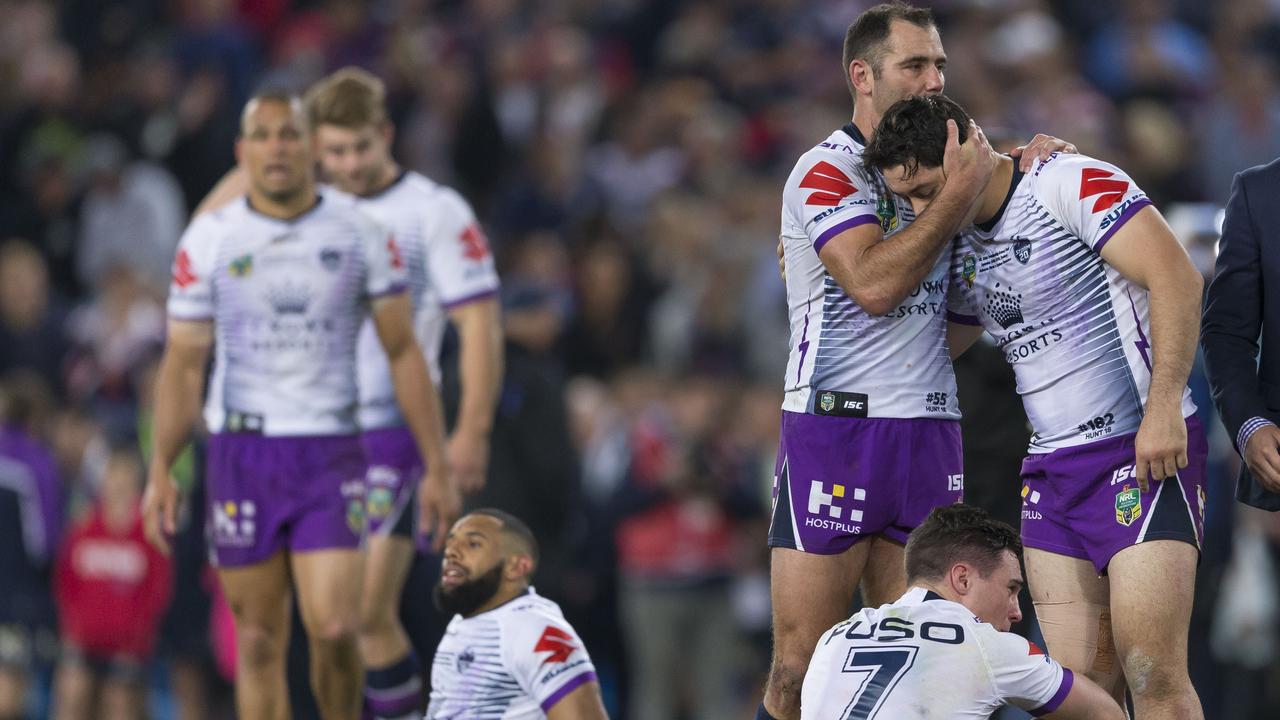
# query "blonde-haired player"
(451, 279)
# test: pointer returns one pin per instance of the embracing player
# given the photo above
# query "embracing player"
(1096, 306)
(870, 439)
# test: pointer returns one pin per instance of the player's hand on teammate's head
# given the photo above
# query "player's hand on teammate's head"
(1262, 455)
(1040, 147)
(1160, 446)
(468, 454)
(971, 162)
(439, 504)
(160, 507)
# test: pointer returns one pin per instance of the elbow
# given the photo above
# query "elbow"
(874, 301)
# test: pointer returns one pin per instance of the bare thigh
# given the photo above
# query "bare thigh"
(1073, 607)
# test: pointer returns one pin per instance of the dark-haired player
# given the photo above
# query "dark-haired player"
(508, 653)
(943, 649)
(870, 438)
(1083, 286)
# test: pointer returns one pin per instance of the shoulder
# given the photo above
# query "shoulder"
(1261, 174)
(837, 160)
(348, 216)
(1066, 167)
(438, 200)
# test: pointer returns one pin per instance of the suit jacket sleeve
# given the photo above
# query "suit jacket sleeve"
(1233, 312)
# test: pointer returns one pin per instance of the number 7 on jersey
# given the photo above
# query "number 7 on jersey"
(883, 667)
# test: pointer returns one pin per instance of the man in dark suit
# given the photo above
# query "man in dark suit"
(1239, 312)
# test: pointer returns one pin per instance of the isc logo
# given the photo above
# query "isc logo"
(955, 482)
(1124, 474)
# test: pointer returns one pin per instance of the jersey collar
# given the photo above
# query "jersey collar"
(248, 202)
(917, 595)
(386, 188)
(852, 131)
(1016, 178)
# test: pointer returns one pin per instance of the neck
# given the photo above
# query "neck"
(285, 209)
(997, 189)
(936, 588)
(386, 176)
(865, 118)
(506, 593)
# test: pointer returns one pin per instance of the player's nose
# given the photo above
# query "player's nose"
(933, 81)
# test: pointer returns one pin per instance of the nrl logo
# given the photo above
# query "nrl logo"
(826, 401)
(969, 270)
(1022, 250)
(1128, 505)
(887, 212)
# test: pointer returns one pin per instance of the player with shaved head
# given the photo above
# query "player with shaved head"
(508, 653)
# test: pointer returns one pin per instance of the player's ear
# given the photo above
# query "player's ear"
(388, 133)
(861, 76)
(239, 150)
(960, 577)
(518, 567)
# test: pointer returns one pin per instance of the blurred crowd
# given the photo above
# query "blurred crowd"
(626, 158)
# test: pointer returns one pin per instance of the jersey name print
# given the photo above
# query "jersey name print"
(928, 658)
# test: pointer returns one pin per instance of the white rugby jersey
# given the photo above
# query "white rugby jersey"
(926, 658)
(1075, 331)
(287, 298)
(449, 264)
(511, 663)
(842, 360)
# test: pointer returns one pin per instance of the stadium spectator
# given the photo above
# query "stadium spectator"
(30, 528)
(112, 589)
(33, 331)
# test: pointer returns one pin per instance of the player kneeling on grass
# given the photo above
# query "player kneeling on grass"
(943, 650)
(508, 653)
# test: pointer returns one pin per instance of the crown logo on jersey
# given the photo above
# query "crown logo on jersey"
(1022, 250)
(1005, 308)
(289, 299)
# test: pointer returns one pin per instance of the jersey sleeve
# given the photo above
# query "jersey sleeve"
(459, 264)
(1091, 198)
(191, 282)
(1023, 675)
(829, 197)
(546, 657)
(385, 271)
